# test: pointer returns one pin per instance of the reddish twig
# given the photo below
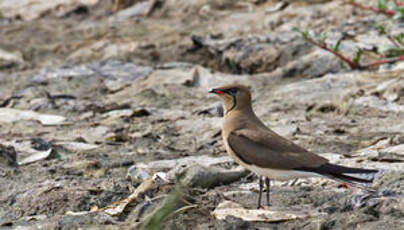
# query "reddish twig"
(384, 61)
(351, 63)
(323, 46)
(375, 10)
(354, 63)
(398, 3)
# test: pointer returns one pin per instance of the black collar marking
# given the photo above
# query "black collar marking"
(234, 104)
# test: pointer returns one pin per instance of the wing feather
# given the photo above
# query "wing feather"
(264, 148)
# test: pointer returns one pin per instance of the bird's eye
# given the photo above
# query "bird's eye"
(232, 91)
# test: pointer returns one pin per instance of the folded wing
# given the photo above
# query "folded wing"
(264, 148)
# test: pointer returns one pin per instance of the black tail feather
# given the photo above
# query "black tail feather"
(338, 172)
(354, 182)
(337, 169)
(350, 178)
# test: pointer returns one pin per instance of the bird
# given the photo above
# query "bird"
(272, 157)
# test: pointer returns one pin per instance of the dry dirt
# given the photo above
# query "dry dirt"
(132, 84)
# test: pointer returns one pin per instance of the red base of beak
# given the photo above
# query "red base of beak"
(216, 91)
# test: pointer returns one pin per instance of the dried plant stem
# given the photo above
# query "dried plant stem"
(323, 46)
(398, 3)
(375, 10)
(351, 63)
(384, 61)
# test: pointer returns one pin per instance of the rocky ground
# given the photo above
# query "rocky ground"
(105, 119)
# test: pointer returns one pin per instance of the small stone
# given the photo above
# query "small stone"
(8, 156)
(205, 177)
(139, 173)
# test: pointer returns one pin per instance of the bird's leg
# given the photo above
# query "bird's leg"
(268, 184)
(260, 192)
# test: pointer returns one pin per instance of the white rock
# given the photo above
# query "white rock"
(201, 160)
(13, 115)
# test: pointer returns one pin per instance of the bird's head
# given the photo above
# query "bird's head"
(233, 96)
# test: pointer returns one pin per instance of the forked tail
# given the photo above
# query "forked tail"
(339, 172)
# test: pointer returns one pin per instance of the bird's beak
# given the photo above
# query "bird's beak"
(215, 91)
